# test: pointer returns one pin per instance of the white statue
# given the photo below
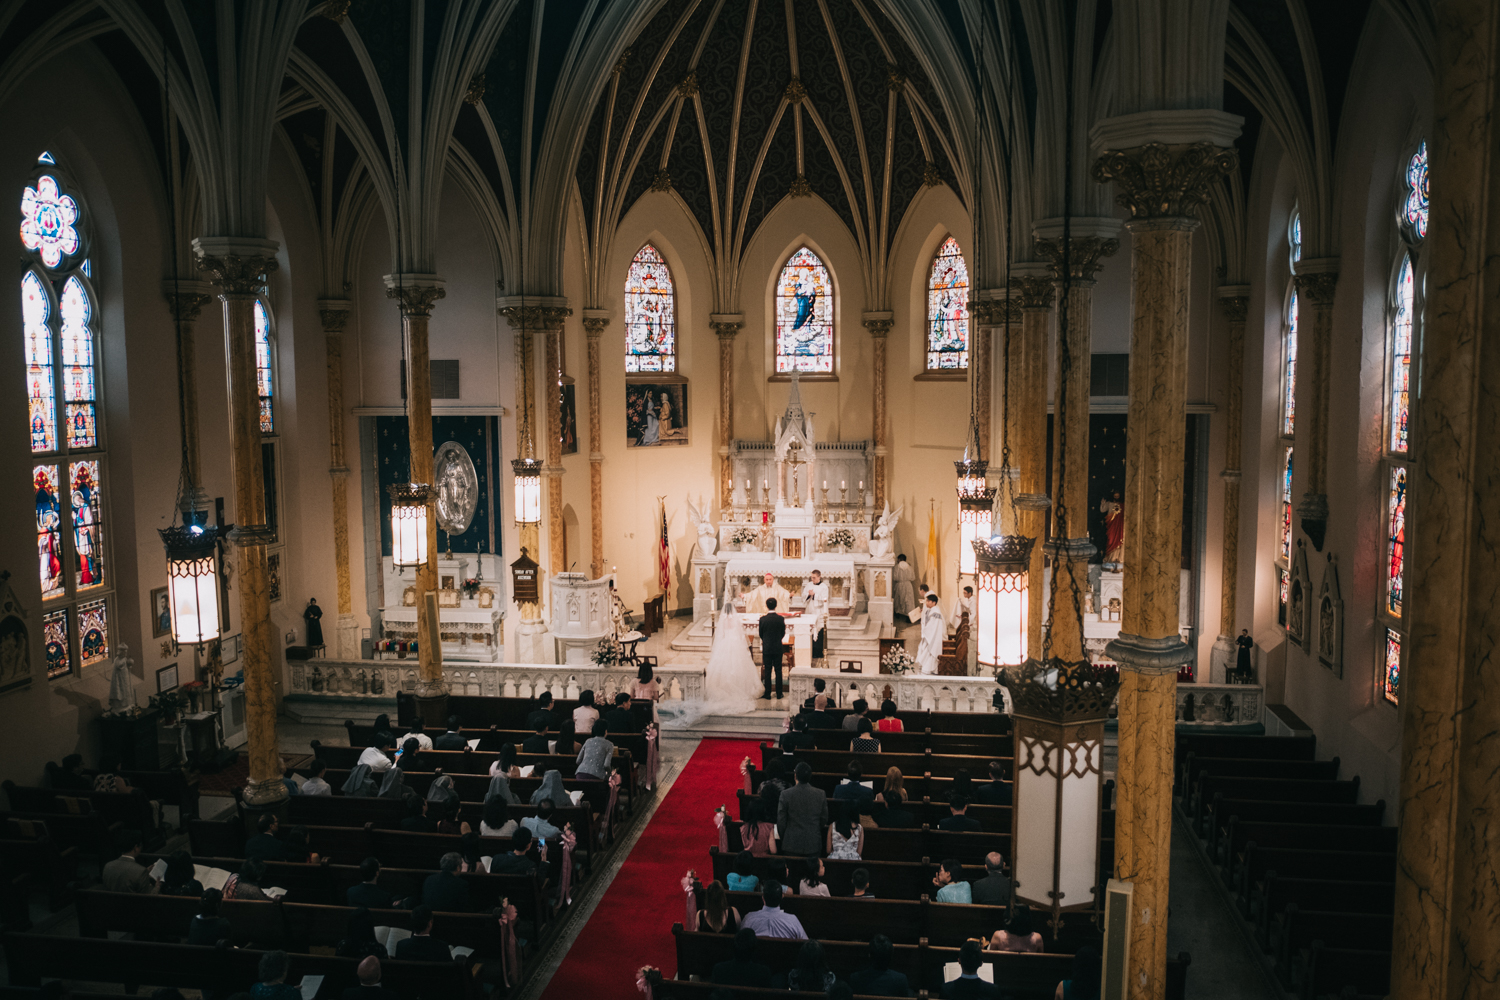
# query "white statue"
(880, 540)
(122, 686)
(708, 535)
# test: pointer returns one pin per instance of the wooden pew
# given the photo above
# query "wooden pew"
(31, 864)
(888, 879)
(977, 723)
(1277, 893)
(1015, 977)
(404, 849)
(699, 951)
(916, 785)
(90, 836)
(1332, 970)
(506, 713)
(1307, 836)
(1222, 811)
(474, 787)
(1230, 745)
(942, 765)
(30, 957)
(920, 740)
(1212, 786)
(1255, 767)
(1294, 930)
(1296, 862)
(131, 810)
(681, 989)
(924, 842)
(906, 921)
(457, 762)
(386, 814)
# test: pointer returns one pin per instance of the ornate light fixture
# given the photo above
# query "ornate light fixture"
(976, 503)
(410, 507)
(1002, 571)
(528, 475)
(193, 574)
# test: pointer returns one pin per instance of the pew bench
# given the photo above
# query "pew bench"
(1234, 745)
(1307, 836)
(132, 810)
(505, 713)
(1293, 862)
(1211, 787)
(1255, 767)
(1322, 971)
(1276, 894)
(1294, 930)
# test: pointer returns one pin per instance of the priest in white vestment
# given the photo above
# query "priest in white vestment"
(933, 631)
(755, 601)
(903, 580)
(815, 606)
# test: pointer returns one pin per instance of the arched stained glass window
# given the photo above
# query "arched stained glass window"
(948, 309)
(1416, 208)
(804, 315)
(263, 376)
(1395, 542)
(650, 314)
(78, 365)
(1399, 414)
(36, 310)
(1286, 508)
(1289, 372)
(1390, 680)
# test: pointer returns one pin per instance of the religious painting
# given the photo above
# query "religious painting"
(36, 312)
(93, 632)
(948, 309)
(1398, 411)
(1390, 683)
(569, 418)
(1299, 601)
(15, 641)
(1330, 623)
(650, 315)
(457, 486)
(273, 577)
(161, 613)
(59, 651)
(804, 315)
(87, 528)
(48, 529)
(1395, 561)
(655, 414)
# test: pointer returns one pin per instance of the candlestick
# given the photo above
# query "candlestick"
(843, 502)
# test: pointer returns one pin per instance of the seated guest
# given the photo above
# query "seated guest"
(296, 846)
(418, 732)
(567, 737)
(877, 979)
(646, 687)
(376, 756)
(541, 825)
(515, 861)
(819, 717)
(950, 882)
(994, 888)
(272, 973)
(717, 915)
(1083, 982)
(894, 782)
(743, 878)
(538, 742)
(406, 757)
(180, 878)
(820, 687)
(315, 785)
(893, 815)
(266, 845)
(619, 719)
(853, 786)
(585, 715)
(797, 737)
(771, 787)
(888, 722)
(958, 818)
(416, 819)
(451, 821)
(70, 776)
(443, 890)
(812, 883)
(780, 872)
(1017, 934)
(962, 784)
(846, 838)
(505, 763)
(968, 986)
(367, 893)
(551, 788)
(543, 711)
(500, 789)
(452, 739)
(359, 936)
(597, 754)
(742, 969)
(851, 721)
(770, 921)
(369, 987)
(289, 778)
(207, 927)
(382, 723)
(996, 791)
(864, 740)
(422, 946)
(811, 973)
(496, 821)
(861, 882)
(757, 832)
(247, 882)
(126, 873)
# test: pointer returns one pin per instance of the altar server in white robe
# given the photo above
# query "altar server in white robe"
(815, 607)
(903, 580)
(755, 601)
(965, 606)
(933, 631)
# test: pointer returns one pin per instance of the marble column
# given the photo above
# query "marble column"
(879, 325)
(1447, 913)
(1235, 301)
(1161, 186)
(415, 295)
(1070, 547)
(239, 267)
(726, 327)
(185, 301)
(593, 328)
(983, 315)
(1029, 436)
(1008, 347)
(1316, 280)
(335, 316)
(552, 406)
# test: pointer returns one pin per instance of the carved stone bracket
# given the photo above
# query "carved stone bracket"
(186, 306)
(795, 92)
(1086, 257)
(662, 181)
(1317, 288)
(1032, 291)
(1156, 180)
(1236, 307)
(593, 326)
(726, 329)
(536, 319)
(879, 328)
(476, 90)
(335, 320)
(689, 86)
(236, 274)
(414, 300)
(800, 188)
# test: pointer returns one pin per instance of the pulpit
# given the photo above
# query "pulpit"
(580, 615)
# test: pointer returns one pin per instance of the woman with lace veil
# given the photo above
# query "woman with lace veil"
(731, 683)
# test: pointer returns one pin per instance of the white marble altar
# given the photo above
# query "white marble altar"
(472, 628)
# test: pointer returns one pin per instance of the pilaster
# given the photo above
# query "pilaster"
(594, 322)
(879, 326)
(1234, 300)
(1029, 422)
(726, 328)
(1316, 282)
(335, 316)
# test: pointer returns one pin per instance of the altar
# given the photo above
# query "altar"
(470, 609)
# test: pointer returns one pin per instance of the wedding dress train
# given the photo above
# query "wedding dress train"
(731, 683)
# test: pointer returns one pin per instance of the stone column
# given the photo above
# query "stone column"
(415, 295)
(552, 475)
(983, 315)
(239, 268)
(1008, 347)
(1070, 548)
(185, 301)
(594, 323)
(1448, 870)
(1161, 185)
(726, 327)
(1315, 280)
(879, 324)
(335, 316)
(1028, 416)
(1235, 301)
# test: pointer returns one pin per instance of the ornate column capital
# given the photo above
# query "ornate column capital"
(879, 328)
(537, 314)
(186, 299)
(1032, 291)
(1235, 301)
(1317, 280)
(1086, 257)
(335, 314)
(414, 293)
(1160, 181)
(238, 265)
(593, 326)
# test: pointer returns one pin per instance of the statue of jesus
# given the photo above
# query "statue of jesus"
(755, 601)
(1113, 508)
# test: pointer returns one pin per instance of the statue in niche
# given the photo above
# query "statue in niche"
(1113, 509)
(122, 685)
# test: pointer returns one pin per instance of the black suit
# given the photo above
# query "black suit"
(772, 635)
(970, 989)
(423, 949)
(535, 744)
(265, 847)
(372, 896)
(895, 818)
(992, 890)
(737, 973)
(993, 793)
(450, 741)
(792, 741)
(208, 932)
(619, 720)
(445, 892)
(376, 992)
(883, 983)
(960, 823)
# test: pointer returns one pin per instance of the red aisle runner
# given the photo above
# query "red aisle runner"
(632, 925)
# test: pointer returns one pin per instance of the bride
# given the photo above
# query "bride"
(731, 684)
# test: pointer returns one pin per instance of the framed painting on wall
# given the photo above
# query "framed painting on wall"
(161, 613)
(656, 414)
(569, 422)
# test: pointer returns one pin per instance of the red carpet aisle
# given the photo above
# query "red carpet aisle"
(632, 925)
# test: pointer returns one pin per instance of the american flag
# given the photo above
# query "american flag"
(664, 553)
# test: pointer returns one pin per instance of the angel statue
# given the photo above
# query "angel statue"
(881, 541)
(708, 535)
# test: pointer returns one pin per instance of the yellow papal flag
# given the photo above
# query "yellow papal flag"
(930, 571)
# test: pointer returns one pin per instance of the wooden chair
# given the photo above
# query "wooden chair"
(654, 615)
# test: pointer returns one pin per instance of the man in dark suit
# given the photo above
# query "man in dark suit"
(996, 791)
(452, 739)
(443, 890)
(797, 738)
(968, 986)
(893, 814)
(994, 888)
(852, 788)
(742, 969)
(801, 815)
(878, 980)
(619, 719)
(958, 818)
(422, 946)
(367, 893)
(543, 710)
(537, 743)
(369, 987)
(772, 636)
(265, 845)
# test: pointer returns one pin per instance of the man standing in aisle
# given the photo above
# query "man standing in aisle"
(772, 634)
(933, 630)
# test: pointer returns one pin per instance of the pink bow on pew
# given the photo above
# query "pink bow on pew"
(720, 818)
(745, 770)
(653, 751)
(510, 962)
(690, 891)
(609, 813)
(565, 880)
(647, 978)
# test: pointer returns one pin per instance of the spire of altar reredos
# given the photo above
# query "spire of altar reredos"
(794, 423)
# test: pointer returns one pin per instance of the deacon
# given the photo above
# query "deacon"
(755, 602)
(903, 579)
(933, 630)
(815, 606)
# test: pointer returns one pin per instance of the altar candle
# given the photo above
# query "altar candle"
(825, 484)
(765, 484)
(842, 484)
(861, 485)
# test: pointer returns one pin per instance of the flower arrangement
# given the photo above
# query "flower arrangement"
(471, 587)
(609, 652)
(841, 536)
(898, 661)
(744, 534)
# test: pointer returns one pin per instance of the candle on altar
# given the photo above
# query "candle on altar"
(842, 484)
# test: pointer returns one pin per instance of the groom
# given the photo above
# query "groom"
(772, 635)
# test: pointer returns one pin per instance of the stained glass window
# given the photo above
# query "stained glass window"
(49, 222)
(41, 391)
(1289, 376)
(948, 309)
(55, 642)
(93, 632)
(87, 524)
(1416, 208)
(650, 314)
(263, 376)
(1294, 237)
(1286, 508)
(804, 315)
(78, 365)
(48, 530)
(1282, 585)
(1401, 340)
(1390, 685)
(1395, 562)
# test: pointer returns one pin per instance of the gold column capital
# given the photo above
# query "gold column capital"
(334, 314)
(1086, 255)
(726, 329)
(238, 267)
(535, 318)
(415, 294)
(1032, 291)
(1161, 181)
(1236, 307)
(1317, 287)
(593, 326)
(186, 299)
(879, 328)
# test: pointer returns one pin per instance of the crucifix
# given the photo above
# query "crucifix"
(794, 462)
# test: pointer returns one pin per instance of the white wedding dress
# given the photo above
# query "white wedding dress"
(731, 683)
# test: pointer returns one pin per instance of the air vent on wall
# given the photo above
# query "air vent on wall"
(444, 374)
(1110, 375)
